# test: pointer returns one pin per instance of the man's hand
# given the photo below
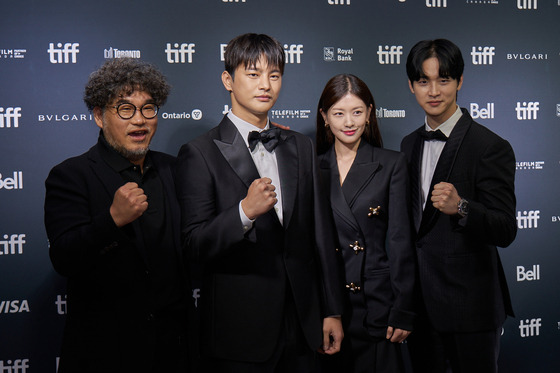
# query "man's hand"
(445, 198)
(332, 335)
(261, 197)
(396, 335)
(129, 204)
(280, 126)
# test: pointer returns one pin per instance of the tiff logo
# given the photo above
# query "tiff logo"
(339, 2)
(177, 53)
(482, 113)
(527, 110)
(233, 1)
(529, 328)
(529, 275)
(528, 220)
(436, 3)
(390, 55)
(17, 366)
(12, 244)
(293, 53)
(60, 304)
(63, 54)
(526, 4)
(10, 117)
(10, 183)
(482, 55)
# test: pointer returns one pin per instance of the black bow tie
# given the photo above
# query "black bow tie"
(269, 138)
(433, 135)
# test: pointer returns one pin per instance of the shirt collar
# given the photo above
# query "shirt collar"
(245, 127)
(447, 126)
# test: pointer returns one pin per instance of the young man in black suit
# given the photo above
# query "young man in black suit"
(112, 220)
(254, 216)
(463, 205)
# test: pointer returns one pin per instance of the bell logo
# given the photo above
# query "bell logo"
(10, 117)
(482, 113)
(64, 54)
(529, 328)
(178, 52)
(17, 366)
(15, 182)
(529, 275)
(293, 53)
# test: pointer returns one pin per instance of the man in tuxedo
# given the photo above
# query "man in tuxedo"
(463, 205)
(254, 217)
(112, 219)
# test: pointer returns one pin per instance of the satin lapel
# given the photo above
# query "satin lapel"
(235, 151)
(112, 181)
(288, 163)
(340, 206)
(360, 173)
(444, 166)
(171, 206)
(416, 187)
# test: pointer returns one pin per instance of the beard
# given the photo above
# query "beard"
(132, 155)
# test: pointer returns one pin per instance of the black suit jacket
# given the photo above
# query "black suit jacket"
(109, 325)
(372, 208)
(463, 283)
(246, 275)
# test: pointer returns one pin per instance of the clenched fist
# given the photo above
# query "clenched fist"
(261, 197)
(129, 204)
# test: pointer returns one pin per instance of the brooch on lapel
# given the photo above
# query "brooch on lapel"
(374, 211)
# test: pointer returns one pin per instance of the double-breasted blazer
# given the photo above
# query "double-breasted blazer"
(247, 275)
(462, 280)
(110, 320)
(372, 215)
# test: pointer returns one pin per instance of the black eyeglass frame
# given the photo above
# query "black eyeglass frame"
(136, 108)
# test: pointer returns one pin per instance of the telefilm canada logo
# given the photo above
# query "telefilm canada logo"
(529, 165)
(290, 113)
(12, 244)
(9, 117)
(12, 54)
(333, 54)
(13, 182)
(195, 114)
(121, 53)
(180, 53)
(382, 112)
(63, 53)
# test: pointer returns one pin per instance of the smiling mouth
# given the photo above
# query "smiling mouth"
(139, 135)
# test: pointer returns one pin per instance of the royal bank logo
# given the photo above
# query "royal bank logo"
(527, 110)
(530, 328)
(482, 112)
(332, 54)
(482, 55)
(180, 53)
(9, 117)
(121, 53)
(293, 53)
(436, 3)
(195, 114)
(528, 219)
(533, 274)
(60, 303)
(290, 114)
(12, 54)
(338, 2)
(14, 306)
(11, 183)
(389, 55)
(529, 165)
(527, 4)
(15, 366)
(12, 244)
(382, 112)
(63, 53)
(527, 56)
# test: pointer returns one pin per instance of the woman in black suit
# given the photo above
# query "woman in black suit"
(369, 194)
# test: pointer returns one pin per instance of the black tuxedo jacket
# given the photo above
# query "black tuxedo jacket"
(372, 208)
(463, 283)
(248, 274)
(109, 325)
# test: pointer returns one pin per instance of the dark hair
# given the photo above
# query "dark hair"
(123, 76)
(451, 62)
(338, 87)
(247, 49)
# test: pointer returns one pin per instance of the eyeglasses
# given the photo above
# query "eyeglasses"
(127, 111)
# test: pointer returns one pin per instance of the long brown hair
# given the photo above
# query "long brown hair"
(338, 87)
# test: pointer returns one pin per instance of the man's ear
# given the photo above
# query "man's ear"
(460, 83)
(98, 116)
(227, 81)
(410, 85)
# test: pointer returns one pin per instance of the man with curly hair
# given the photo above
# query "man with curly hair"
(113, 224)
